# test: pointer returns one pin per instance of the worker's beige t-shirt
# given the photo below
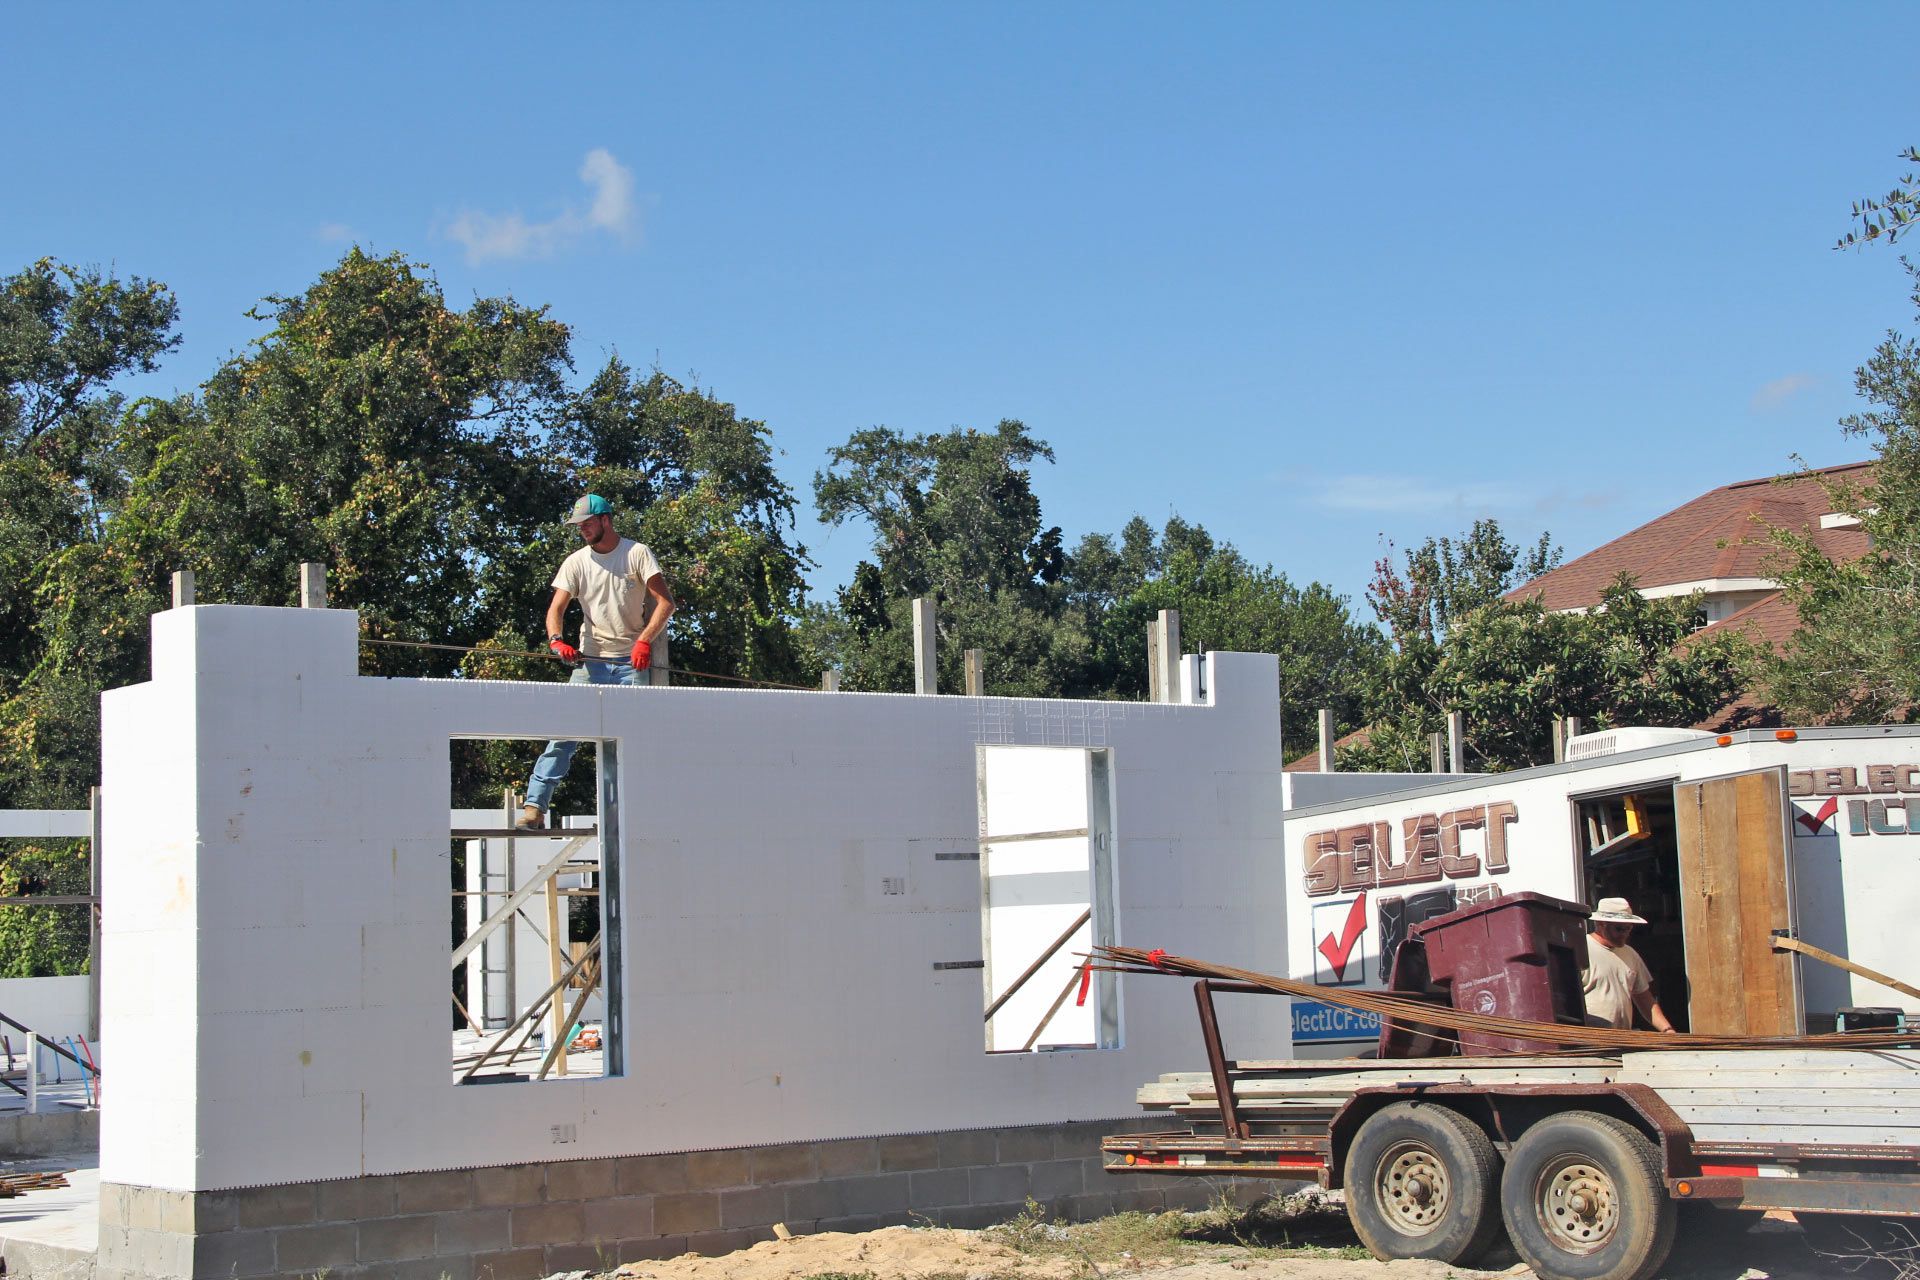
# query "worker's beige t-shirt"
(612, 590)
(1613, 978)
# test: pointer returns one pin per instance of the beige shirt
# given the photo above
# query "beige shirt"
(1613, 978)
(612, 590)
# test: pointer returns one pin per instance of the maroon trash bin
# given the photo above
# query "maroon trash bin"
(1514, 957)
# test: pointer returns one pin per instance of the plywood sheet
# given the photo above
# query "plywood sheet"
(1735, 892)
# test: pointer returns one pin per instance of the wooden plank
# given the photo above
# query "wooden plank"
(1803, 1135)
(1900, 1083)
(1643, 1064)
(1767, 976)
(1706, 924)
(44, 824)
(1370, 1065)
(1787, 1109)
(1731, 835)
(538, 880)
(557, 963)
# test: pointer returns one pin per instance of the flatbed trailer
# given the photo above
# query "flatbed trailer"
(1585, 1161)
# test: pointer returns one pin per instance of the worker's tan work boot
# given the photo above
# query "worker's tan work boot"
(532, 816)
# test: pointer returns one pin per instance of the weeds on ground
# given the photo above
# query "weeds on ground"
(1303, 1224)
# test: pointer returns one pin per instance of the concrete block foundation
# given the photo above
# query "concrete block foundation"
(525, 1221)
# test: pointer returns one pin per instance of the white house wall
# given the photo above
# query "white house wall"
(54, 1007)
(276, 906)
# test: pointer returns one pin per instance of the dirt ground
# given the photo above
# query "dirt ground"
(1309, 1241)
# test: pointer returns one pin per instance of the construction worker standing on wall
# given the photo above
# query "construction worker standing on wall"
(624, 606)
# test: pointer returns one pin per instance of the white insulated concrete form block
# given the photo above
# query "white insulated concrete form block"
(150, 917)
(798, 876)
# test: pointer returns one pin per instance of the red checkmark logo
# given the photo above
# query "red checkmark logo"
(1338, 952)
(1814, 821)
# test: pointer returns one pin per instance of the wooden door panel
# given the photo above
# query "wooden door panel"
(1735, 891)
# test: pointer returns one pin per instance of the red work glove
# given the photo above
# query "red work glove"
(642, 654)
(566, 652)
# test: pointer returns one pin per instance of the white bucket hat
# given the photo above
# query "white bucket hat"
(1614, 911)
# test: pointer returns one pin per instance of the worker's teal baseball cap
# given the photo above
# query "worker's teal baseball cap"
(588, 507)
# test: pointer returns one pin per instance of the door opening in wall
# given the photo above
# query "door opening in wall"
(1046, 897)
(534, 925)
(1628, 850)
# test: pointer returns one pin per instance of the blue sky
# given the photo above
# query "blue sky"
(1309, 276)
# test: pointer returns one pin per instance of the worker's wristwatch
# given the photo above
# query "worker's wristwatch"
(555, 637)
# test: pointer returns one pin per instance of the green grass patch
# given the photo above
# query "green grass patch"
(1300, 1225)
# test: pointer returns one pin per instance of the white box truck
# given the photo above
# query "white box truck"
(1726, 844)
(1719, 841)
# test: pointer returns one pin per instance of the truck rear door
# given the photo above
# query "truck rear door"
(1736, 888)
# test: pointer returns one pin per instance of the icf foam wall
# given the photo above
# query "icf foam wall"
(275, 973)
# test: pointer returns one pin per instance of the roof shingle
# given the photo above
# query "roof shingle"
(1684, 545)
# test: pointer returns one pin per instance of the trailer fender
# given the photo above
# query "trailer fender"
(1506, 1110)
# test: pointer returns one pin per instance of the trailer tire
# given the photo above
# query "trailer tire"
(1583, 1199)
(1422, 1182)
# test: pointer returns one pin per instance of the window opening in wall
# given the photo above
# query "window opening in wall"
(1046, 887)
(534, 927)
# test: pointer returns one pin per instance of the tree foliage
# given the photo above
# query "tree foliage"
(424, 453)
(955, 516)
(1447, 578)
(1886, 217)
(1856, 656)
(1511, 668)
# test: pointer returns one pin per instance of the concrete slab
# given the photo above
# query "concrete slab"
(53, 1233)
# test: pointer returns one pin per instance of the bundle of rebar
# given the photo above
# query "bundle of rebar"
(12, 1184)
(1413, 1013)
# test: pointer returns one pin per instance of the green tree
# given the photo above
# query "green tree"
(1856, 657)
(700, 479)
(1226, 603)
(1447, 578)
(425, 453)
(1510, 668)
(66, 335)
(1886, 217)
(954, 516)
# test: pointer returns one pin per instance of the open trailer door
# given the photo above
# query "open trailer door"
(1736, 888)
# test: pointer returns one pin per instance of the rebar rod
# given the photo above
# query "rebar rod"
(1409, 1012)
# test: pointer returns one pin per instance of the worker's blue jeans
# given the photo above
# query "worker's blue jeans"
(551, 768)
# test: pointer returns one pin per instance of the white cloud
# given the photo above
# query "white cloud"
(1779, 391)
(1409, 493)
(1553, 500)
(612, 184)
(333, 233)
(488, 235)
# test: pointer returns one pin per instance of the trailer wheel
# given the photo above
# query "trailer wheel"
(1421, 1184)
(1583, 1199)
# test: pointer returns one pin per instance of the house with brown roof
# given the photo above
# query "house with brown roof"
(1716, 545)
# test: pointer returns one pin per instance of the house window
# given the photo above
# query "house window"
(535, 924)
(1046, 887)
